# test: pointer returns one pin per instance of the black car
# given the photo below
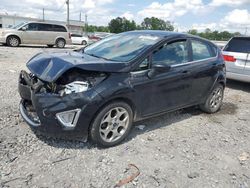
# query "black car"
(100, 90)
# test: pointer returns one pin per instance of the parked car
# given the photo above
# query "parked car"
(100, 90)
(36, 33)
(99, 36)
(79, 39)
(237, 57)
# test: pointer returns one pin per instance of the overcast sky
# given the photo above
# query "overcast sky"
(232, 15)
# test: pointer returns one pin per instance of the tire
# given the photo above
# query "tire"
(13, 41)
(112, 124)
(50, 45)
(84, 42)
(60, 43)
(214, 101)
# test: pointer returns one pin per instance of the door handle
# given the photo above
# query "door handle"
(185, 72)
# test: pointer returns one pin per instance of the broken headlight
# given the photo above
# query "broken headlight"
(74, 87)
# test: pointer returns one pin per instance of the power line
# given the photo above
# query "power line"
(67, 2)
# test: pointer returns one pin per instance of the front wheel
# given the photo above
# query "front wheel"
(214, 101)
(112, 124)
(13, 41)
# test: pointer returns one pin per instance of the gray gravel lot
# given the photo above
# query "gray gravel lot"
(186, 148)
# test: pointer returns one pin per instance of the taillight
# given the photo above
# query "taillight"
(69, 36)
(229, 58)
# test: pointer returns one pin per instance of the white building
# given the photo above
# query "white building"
(7, 21)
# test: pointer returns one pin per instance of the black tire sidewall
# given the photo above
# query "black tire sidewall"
(94, 130)
(84, 42)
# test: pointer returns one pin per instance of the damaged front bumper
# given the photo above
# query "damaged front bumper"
(51, 114)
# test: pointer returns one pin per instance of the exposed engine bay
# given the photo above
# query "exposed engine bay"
(73, 81)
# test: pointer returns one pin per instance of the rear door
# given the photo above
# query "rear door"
(46, 34)
(204, 68)
(236, 55)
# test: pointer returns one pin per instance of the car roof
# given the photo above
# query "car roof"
(158, 33)
(168, 34)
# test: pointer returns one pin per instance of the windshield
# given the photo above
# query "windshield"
(18, 25)
(121, 47)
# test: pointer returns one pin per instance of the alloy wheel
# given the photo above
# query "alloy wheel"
(216, 99)
(114, 124)
(13, 41)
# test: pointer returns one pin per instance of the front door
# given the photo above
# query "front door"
(30, 35)
(165, 91)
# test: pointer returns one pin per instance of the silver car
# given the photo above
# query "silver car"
(237, 57)
(36, 33)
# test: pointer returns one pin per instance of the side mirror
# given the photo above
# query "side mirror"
(158, 69)
(23, 28)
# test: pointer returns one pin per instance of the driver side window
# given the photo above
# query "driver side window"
(32, 27)
(171, 54)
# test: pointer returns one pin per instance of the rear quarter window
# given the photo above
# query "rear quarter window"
(238, 44)
(59, 28)
(202, 50)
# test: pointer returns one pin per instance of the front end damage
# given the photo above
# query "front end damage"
(62, 108)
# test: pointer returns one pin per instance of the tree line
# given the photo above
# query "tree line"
(119, 25)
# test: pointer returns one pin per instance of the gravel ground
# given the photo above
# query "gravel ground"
(186, 148)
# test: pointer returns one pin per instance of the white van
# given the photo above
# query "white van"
(36, 33)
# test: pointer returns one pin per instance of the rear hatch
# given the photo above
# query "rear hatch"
(236, 55)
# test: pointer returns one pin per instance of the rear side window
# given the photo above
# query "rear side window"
(50, 27)
(76, 35)
(59, 28)
(238, 44)
(200, 50)
(44, 27)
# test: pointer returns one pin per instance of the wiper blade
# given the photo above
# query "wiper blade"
(99, 57)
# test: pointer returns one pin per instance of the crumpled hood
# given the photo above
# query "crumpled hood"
(51, 65)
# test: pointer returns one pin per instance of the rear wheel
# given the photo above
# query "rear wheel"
(214, 100)
(60, 43)
(13, 41)
(112, 124)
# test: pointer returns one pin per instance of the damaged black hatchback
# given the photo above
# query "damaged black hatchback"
(98, 92)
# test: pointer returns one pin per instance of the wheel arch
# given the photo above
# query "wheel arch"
(60, 37)
(14, 35)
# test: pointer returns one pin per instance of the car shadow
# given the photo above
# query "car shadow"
(149, 125)
(142, 127)
(243, 86)
(163, 120)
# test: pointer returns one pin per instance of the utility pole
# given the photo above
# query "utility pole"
(246, 31)
(80, 17)
(43, 14)
(67, 2)
(86, 24)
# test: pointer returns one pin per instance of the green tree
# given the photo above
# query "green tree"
(93, 28)
(119, 25)
(193, 32)
(154, 23)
